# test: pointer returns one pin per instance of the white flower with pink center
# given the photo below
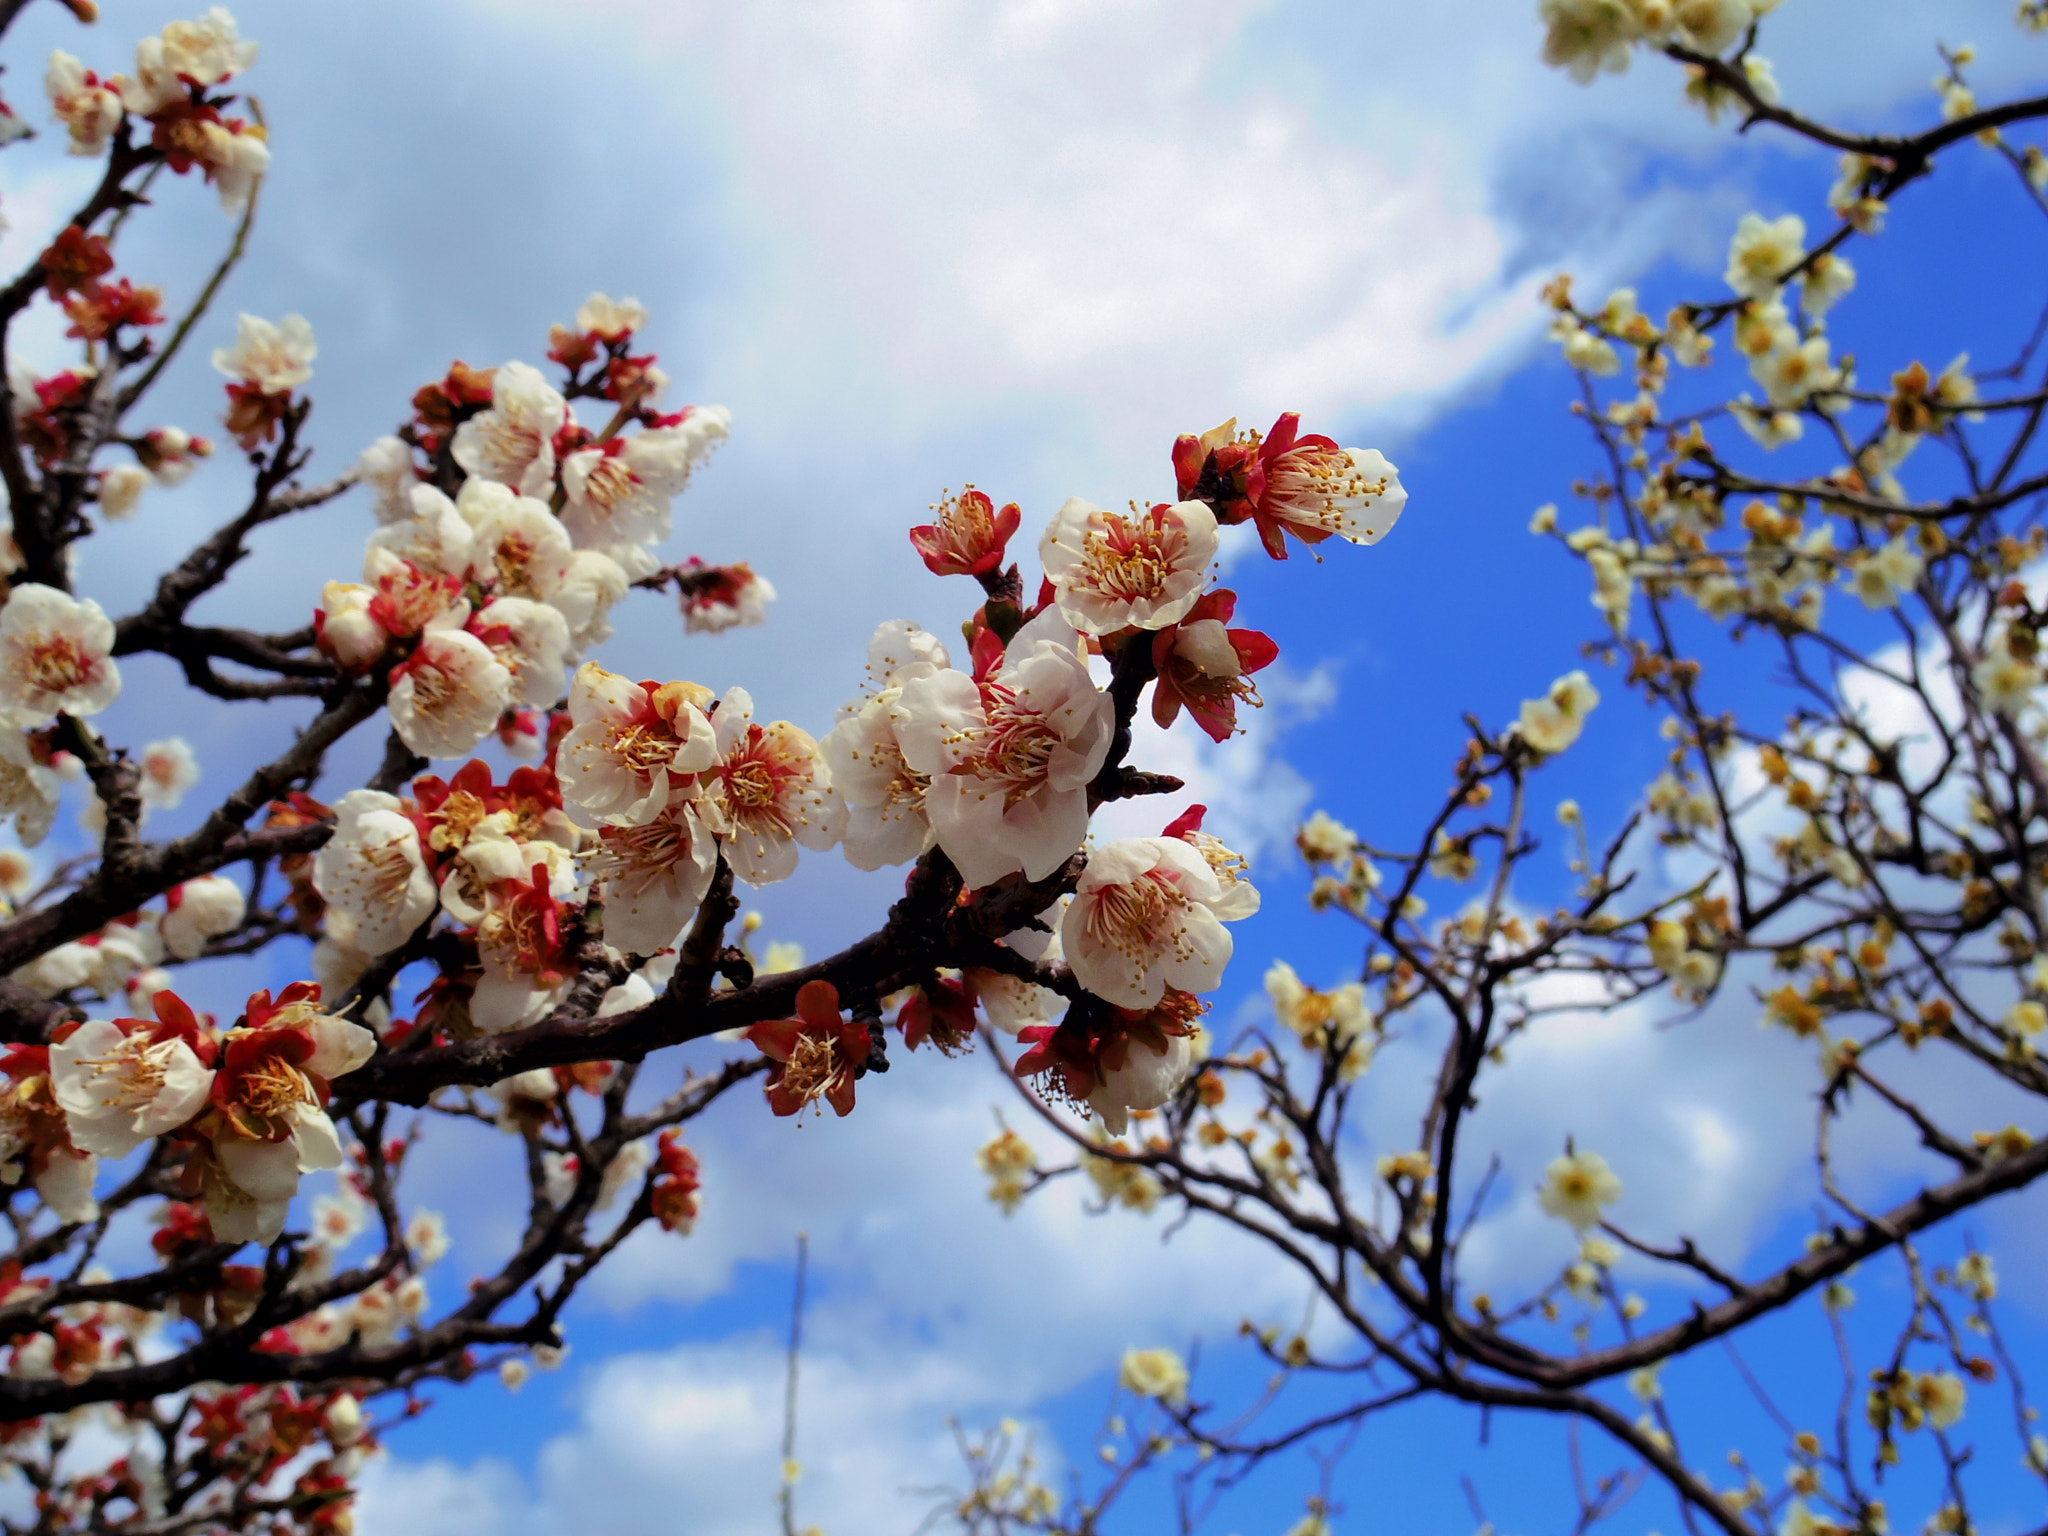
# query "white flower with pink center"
(372, 874)
(1112, 570)
(56, 656)
(884, 795)
(652, 878)
(631, 744)
(1144, 919)
(198, 910)
(770, 792)
(168, 770)
(447, 696)
(119, 1085)
(514, 441)
(272, 357)
(532, 640)
(517, 547)
(1010, 758)
(620, 494)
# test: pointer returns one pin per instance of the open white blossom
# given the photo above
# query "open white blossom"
(1143, 919)
(652, 877)
(627, 742)
(1576, 1186)
(88, 107)
(1009, 759)
(886, 823)
(1146, 1078)
(372, 874)
(120, 490)
(1762, 252)
(1884, 575)
(517, 545)
(619, 495)
(119, 1087)
(1113, 570)
(29, 788)
(56, 656)
(514, 441)
(770, 792)
(447, 696)
(386, 467)
(532, 641)
(272, 357)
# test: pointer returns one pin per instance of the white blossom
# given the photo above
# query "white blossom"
(372, 874)
(198, 910)
(1111, 570)
(273, 358)
(1143, 919)
(514, 441)
(1553, 722)
(121, 1087)
(168, 770)
(770, 792)
(1009, 759)
(447, 696)
(56, 656)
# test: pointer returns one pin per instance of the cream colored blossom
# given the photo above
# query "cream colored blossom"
(1576, 1186)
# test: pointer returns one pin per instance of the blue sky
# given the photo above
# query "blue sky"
(1024, 243)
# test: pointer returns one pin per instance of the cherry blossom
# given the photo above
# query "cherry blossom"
(272, 358)
(198, 910)
(1111, 571)
(591, 583)
(716, 598)
(1553, 722)
(1762, 252)
(531, 640)
(120, 490)
(1289, 483)
(346, 627)
(1009, 755)
(817, 1055)
(56, 656)
(447, 696)
(1205, 665)
(89, 107)
(435, 536)
(124, 1082)
(1143, 919)
(619, 494)
(521, 945)
(769, 792)
(514, 441)
(372, 873)
(168, 770)
(652, 877)
(611, 319)
(266, 1123)
(386, 466)
(886, 822)
(968, 537)
(1576, 1186)
(35, 1138)
(628, 741)
(517, 545)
